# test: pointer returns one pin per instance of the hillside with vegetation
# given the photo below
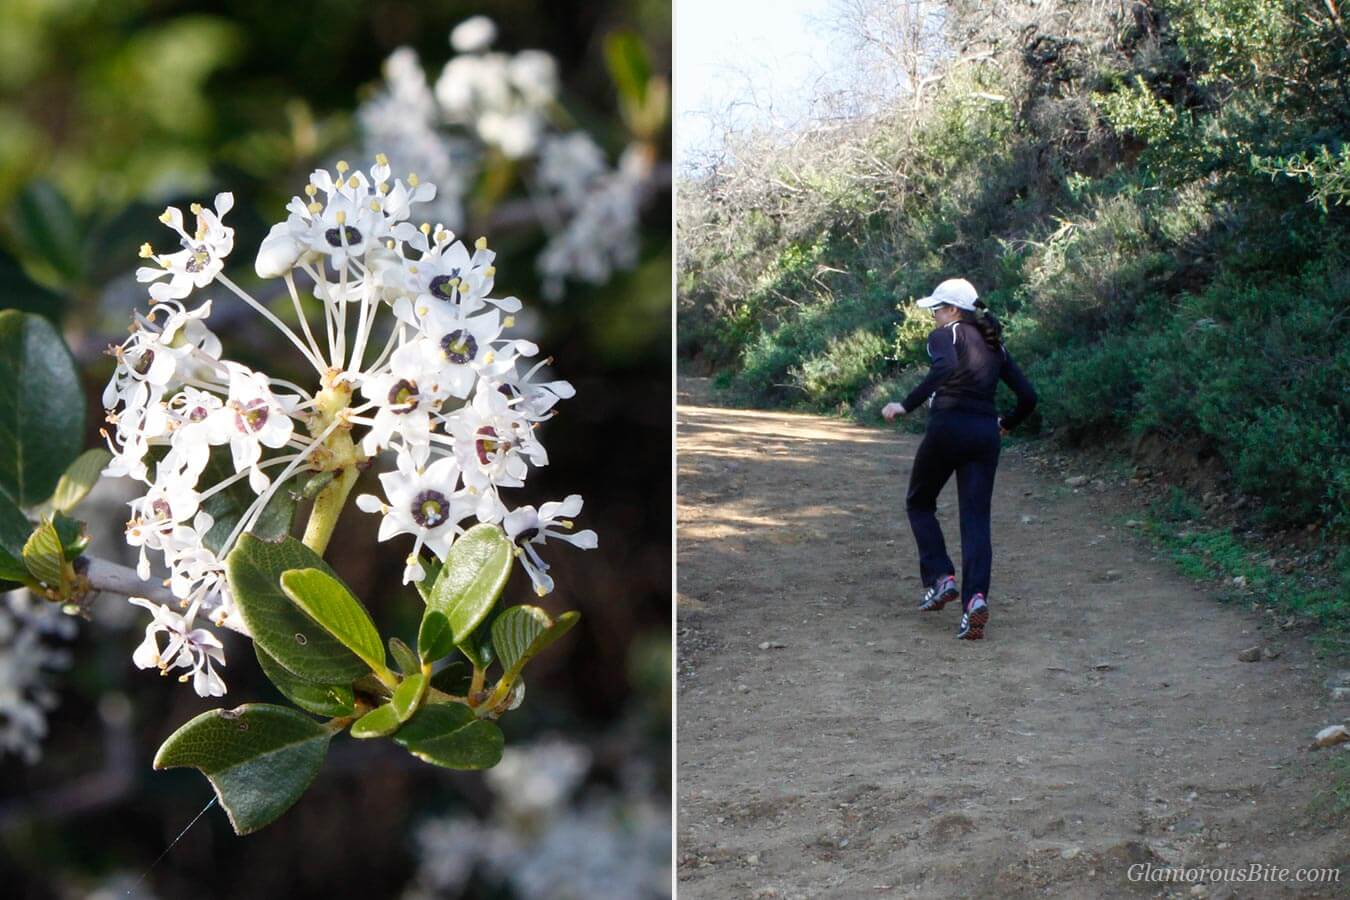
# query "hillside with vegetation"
(1150, 195)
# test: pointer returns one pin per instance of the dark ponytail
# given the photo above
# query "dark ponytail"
(990, 328)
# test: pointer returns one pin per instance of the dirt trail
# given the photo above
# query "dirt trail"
(1106, 719)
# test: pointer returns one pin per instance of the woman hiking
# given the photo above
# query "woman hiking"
(964, 434)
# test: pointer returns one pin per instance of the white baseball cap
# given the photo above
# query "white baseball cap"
(954, 292)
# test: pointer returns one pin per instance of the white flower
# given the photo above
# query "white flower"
(186, 647)
(251, 419)
(407, 394)
(467, 348)
(473, 34)
(202, 256)
(527, 527)
(439, 382)
(423, 503)
(156, 518)
(495, 446)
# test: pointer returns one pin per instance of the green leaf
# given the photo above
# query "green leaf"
(321, 699)
(41, 408)
(408, 696)
(46, 226)
(379, 722)
(23, 293)
(407, 660)
(628, 65)
(74, 536)
(259, 758)
(522, 631)
(254, 568)
(474, 574)
(15, 530)
(228, 506)
(43, 557)
(434, 639)
(448, 734)
(79, 478)
(329, 602)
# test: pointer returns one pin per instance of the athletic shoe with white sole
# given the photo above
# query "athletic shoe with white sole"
(943, 591)
(974, 619)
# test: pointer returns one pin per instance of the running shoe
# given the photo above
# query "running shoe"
(943, 591)
(974, 619)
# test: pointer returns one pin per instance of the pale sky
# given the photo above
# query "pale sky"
(765, 54)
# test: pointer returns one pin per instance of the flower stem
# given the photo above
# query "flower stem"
(327, 507)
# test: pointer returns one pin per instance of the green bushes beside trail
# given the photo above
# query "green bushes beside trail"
(1153, 203)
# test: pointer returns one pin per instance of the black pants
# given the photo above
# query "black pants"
(967, 444)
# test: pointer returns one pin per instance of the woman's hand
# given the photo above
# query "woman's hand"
(891, 410)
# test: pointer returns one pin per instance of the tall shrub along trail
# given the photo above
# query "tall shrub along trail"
(834, 742)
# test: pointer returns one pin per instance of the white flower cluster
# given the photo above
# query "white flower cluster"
(26, 659)
(501, 102)
(543, 841)
(445, 391)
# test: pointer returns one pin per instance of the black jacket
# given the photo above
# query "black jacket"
(965, 374)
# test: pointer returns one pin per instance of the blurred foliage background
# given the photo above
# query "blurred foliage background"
(110, 110)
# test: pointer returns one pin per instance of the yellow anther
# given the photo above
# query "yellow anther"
(342, 166)
(425, 228)
(539, 589)
(311, 190)
(566, 523)
(384, 188)
(196, 209)
(488, 357)
(481, 243)
(341, 217)
(315, 207)
(375, 205)
(353, 182)
(381, 159)
(422, 310)
(389, 243)
(442, 235)
(413, 179)
(489, 271)
(509, 322)
(146, 252)
(454, 282)
(166, 217)
(412, 269)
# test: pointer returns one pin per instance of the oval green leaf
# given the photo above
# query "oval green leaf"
(449, 735)
(475, 573)
(258, 757)
(408, 696)
(254, 569)
(328, 601)
(44, 558)
(407, 660)
(41, 408)
(46, 225)
(379, 722)
(435, 640)
(79, 478)
(321, 699)
(521, 632)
